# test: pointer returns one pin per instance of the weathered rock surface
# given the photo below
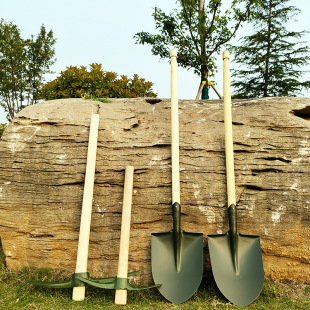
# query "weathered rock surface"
(43, 158)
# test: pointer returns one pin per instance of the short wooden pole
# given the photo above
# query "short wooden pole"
(121, 295)
(213, 87)
(203, 83)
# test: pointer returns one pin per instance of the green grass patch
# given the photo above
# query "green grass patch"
(103, 100)
(16, 293)
(95, 98)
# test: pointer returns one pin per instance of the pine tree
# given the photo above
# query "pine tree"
(269, 58)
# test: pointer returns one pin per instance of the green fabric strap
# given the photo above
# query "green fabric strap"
(82, 278)
(77, 282)
(121, 283)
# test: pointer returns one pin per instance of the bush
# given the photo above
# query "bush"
(2, 128)
(78, 82)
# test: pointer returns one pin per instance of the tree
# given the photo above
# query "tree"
(77, 82)
(269, 58)
(22, 66)
(198, 31)
(40, 56)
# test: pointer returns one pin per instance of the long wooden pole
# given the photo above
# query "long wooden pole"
(229, 151)
(175, 129)
(82, 254)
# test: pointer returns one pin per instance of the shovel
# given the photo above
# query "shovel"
(236, 259)
(177, 256)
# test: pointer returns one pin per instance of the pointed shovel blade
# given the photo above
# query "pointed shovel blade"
(241, 286)
(177, 286)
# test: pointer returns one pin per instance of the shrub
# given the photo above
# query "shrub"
(2, 128)
(78, 82)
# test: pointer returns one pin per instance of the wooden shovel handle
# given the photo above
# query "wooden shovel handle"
(121, 295)
(82, 253)
(175, 129)
(229, 151)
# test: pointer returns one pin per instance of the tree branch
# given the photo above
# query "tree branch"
(212, 21)
(228, 38)
(189, 24)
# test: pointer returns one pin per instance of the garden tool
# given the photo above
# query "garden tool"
(82, 253)
(81, 276)
(177, 256)
(236, 259)
(121, 294)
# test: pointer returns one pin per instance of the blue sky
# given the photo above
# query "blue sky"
(102, 31)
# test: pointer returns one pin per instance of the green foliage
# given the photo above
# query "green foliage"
(77, 82)
(197, 31)
(40, 57)
(2, 128)
(269, 58)
(22, 66)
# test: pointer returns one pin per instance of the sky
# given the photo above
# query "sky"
(101, 31)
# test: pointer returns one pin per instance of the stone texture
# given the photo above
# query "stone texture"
(42, 166)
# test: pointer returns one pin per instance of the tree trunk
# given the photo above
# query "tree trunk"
(266, 77)
(204, 69)
(42, 167)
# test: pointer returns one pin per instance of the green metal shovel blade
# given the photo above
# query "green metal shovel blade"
(239, 277)
(179, 281)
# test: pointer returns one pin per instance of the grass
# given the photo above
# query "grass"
(16, 293)
(95, 98)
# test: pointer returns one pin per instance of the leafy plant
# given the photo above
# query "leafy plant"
(23, 64)
(78, 82)
(2, 128)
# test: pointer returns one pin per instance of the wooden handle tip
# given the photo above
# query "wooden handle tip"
(95, 116)
(120, 297)
(225, 55)
(173, 53)
(78, 293)
(130, 169)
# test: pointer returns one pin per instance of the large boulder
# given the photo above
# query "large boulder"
(43, 158)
